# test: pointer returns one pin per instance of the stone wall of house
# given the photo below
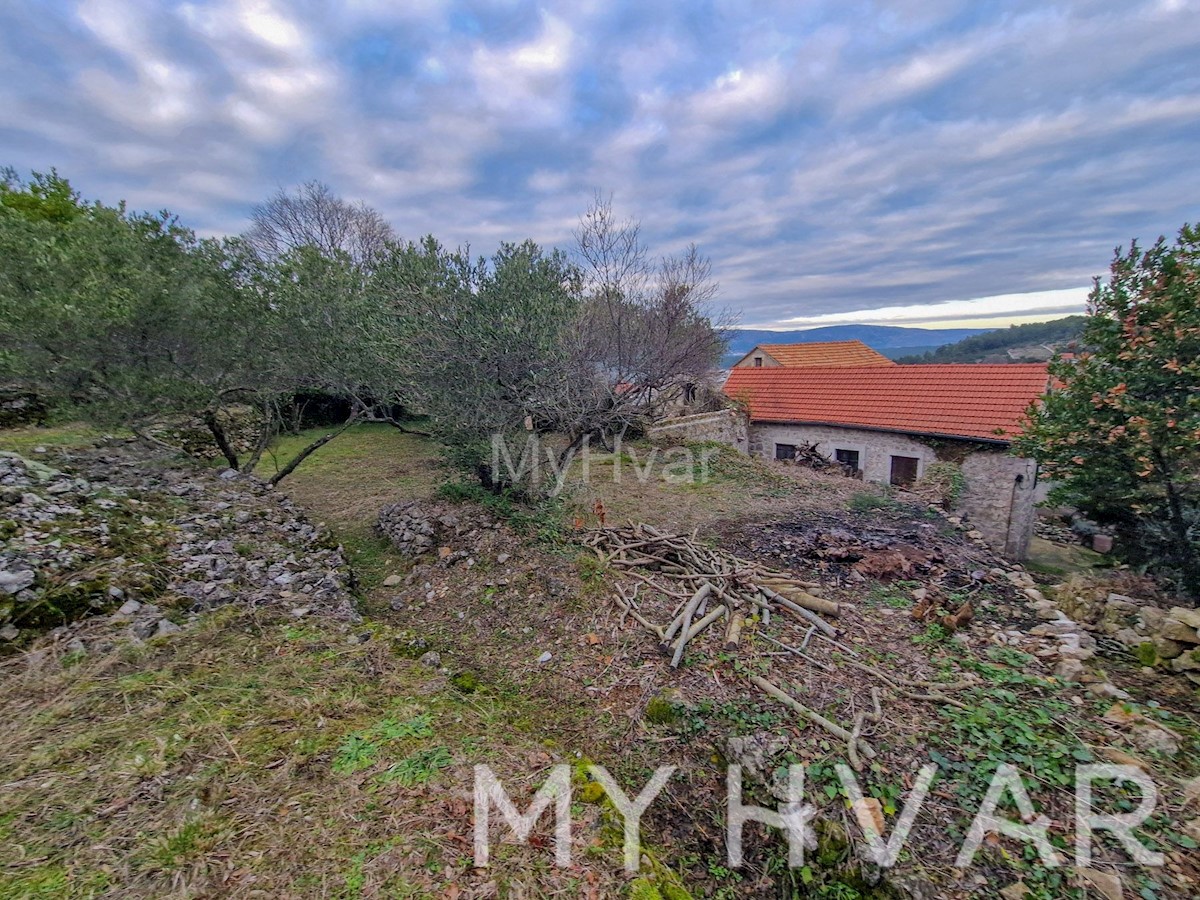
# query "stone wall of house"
(768, 361)
(726, 426)
(999, 494)
(999, 499)
(875, 448)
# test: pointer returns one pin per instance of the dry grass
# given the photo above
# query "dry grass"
(253, 758)
(654, 484)
(352, 477)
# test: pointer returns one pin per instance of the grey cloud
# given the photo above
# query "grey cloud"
(829, 157)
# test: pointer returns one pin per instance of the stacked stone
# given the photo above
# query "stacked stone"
(225, 539)
(414, 528)
(1177, 644)
(1168, 639)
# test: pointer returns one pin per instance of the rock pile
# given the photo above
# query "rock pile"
(415, 528)
(158, 540)
(1166, 638)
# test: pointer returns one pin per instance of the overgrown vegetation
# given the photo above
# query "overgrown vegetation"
(131, 319)
(942, 483)
(1120, 431)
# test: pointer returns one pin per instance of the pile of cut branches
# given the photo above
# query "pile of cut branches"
(674, 580)
(700, 586)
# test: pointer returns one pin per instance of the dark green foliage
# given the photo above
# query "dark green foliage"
(993, 346)
(1121, 434)
(132, 319)
(489, 341)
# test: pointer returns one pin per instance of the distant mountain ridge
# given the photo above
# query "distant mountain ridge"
(1035, 342)
(887, 339)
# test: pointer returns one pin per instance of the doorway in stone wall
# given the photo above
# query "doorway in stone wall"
(904, 470)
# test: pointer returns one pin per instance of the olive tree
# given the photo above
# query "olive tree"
(533, 349)
(132, 319)
(488, 343)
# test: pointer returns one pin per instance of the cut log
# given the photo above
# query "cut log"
(698, 627)
(685, 620)
(809, 615)
(774, 579)
(807, 600)
(733, 634)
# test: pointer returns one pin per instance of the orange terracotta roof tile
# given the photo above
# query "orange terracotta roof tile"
(825, 353)
(968, 401)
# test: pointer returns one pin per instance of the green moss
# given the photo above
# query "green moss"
(644, 889)
(665, 881)
(592, 792)
(650, 889)
(833, 844)
(467, 682)
(1146, 653)
(409, 645)
(59, 605)
(661, 711)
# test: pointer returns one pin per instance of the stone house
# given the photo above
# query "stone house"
(892, 423)
(825, 353)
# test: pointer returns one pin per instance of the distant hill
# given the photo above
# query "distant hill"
(1035, 342)
(890, 340)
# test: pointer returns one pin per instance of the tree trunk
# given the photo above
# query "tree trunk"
(1184, 550)
(570, 449)
(218, 433)
(296, 416)
(312, 448)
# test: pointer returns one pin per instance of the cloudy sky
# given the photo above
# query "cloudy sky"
(843, 161)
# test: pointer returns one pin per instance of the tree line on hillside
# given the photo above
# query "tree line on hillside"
(128, 317)
(994, 346)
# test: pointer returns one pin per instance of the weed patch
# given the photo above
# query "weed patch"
(867, 501)
(417, 768)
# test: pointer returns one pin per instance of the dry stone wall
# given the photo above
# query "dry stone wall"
(726, 426)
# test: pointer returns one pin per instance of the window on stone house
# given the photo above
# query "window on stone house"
(758, 362)
(848, 458)
(785, 451)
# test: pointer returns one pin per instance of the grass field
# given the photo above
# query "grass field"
(263, 756)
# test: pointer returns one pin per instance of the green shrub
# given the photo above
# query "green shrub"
(867, 501)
